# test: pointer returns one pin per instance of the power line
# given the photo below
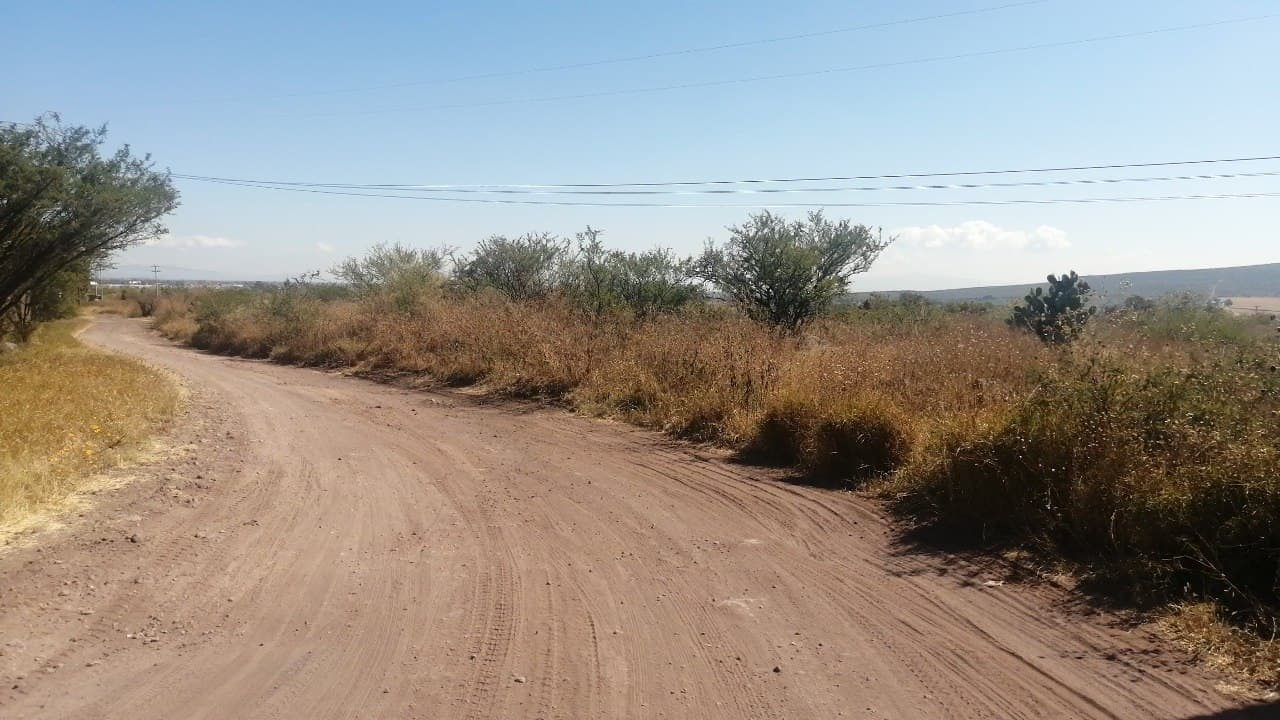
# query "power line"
(804, 73)
(760, 191)
(662, 54)
(754, 181)
(587, 203)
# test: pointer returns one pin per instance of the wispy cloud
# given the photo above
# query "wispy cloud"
(193, 241)
(325, 247)
(983, 235)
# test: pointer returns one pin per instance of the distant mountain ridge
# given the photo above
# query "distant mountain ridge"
(1240, 281)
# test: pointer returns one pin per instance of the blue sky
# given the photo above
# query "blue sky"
(282, 91)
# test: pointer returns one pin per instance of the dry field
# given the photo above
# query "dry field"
(1254, 305)
(67, 411)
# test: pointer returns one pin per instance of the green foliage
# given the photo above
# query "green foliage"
(529, 267)
(400, 274)
(63, 204)
(785, 273)
(647, 283)
(1056, 317)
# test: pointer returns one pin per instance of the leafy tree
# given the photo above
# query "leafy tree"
(647, 283)
(785, 273)
(1058, 316)
(528, 267)
(400, 273)
(64, 204)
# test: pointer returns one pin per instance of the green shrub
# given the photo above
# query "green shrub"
(529, 267)
(646, 284)
(401, 275)
(786, 273)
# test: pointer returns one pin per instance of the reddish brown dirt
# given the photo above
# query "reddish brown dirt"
(324, 547)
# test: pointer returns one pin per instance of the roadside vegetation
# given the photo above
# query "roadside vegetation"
(69, 411)
(1137, 441)
(66, 410)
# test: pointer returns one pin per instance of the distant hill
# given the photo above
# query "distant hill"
(1244, 281)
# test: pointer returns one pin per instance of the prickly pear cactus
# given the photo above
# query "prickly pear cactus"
(1059, 315)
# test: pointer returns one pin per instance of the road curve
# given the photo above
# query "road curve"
(325, 547)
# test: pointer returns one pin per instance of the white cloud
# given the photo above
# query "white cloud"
(983, 235)
(325, 247)
(193, 241)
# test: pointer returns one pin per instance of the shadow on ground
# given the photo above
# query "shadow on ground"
(1263, 711)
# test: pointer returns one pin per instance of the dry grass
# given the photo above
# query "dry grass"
(1255, 305)
(1205, 631)
(68, 411)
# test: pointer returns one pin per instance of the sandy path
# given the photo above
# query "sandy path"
(324, 547)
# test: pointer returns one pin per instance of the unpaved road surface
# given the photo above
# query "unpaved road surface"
(324, 547)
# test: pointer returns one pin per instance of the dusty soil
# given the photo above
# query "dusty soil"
(318, 546)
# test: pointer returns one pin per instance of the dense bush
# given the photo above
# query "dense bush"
(400, 275)
(529, 267)
(785, 273)
(646, 284)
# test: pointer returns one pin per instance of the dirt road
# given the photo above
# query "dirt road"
(324, 547)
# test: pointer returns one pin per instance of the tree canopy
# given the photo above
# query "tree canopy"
(785, 273)
(64, 202)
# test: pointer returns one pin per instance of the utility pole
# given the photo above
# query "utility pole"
(155, 274)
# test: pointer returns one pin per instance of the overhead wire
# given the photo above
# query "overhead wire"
(646, 204)
(767, 190)
(493, 187)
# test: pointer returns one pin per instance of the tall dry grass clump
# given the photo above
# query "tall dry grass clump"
(1161, 471)
(702, 375)
(67, 411)
(859, 398)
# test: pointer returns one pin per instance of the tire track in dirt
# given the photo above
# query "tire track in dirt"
(327, 547)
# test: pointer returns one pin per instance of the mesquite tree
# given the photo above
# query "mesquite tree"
(401, 274)
(529, 267)
(785, 273)
(63, 203)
